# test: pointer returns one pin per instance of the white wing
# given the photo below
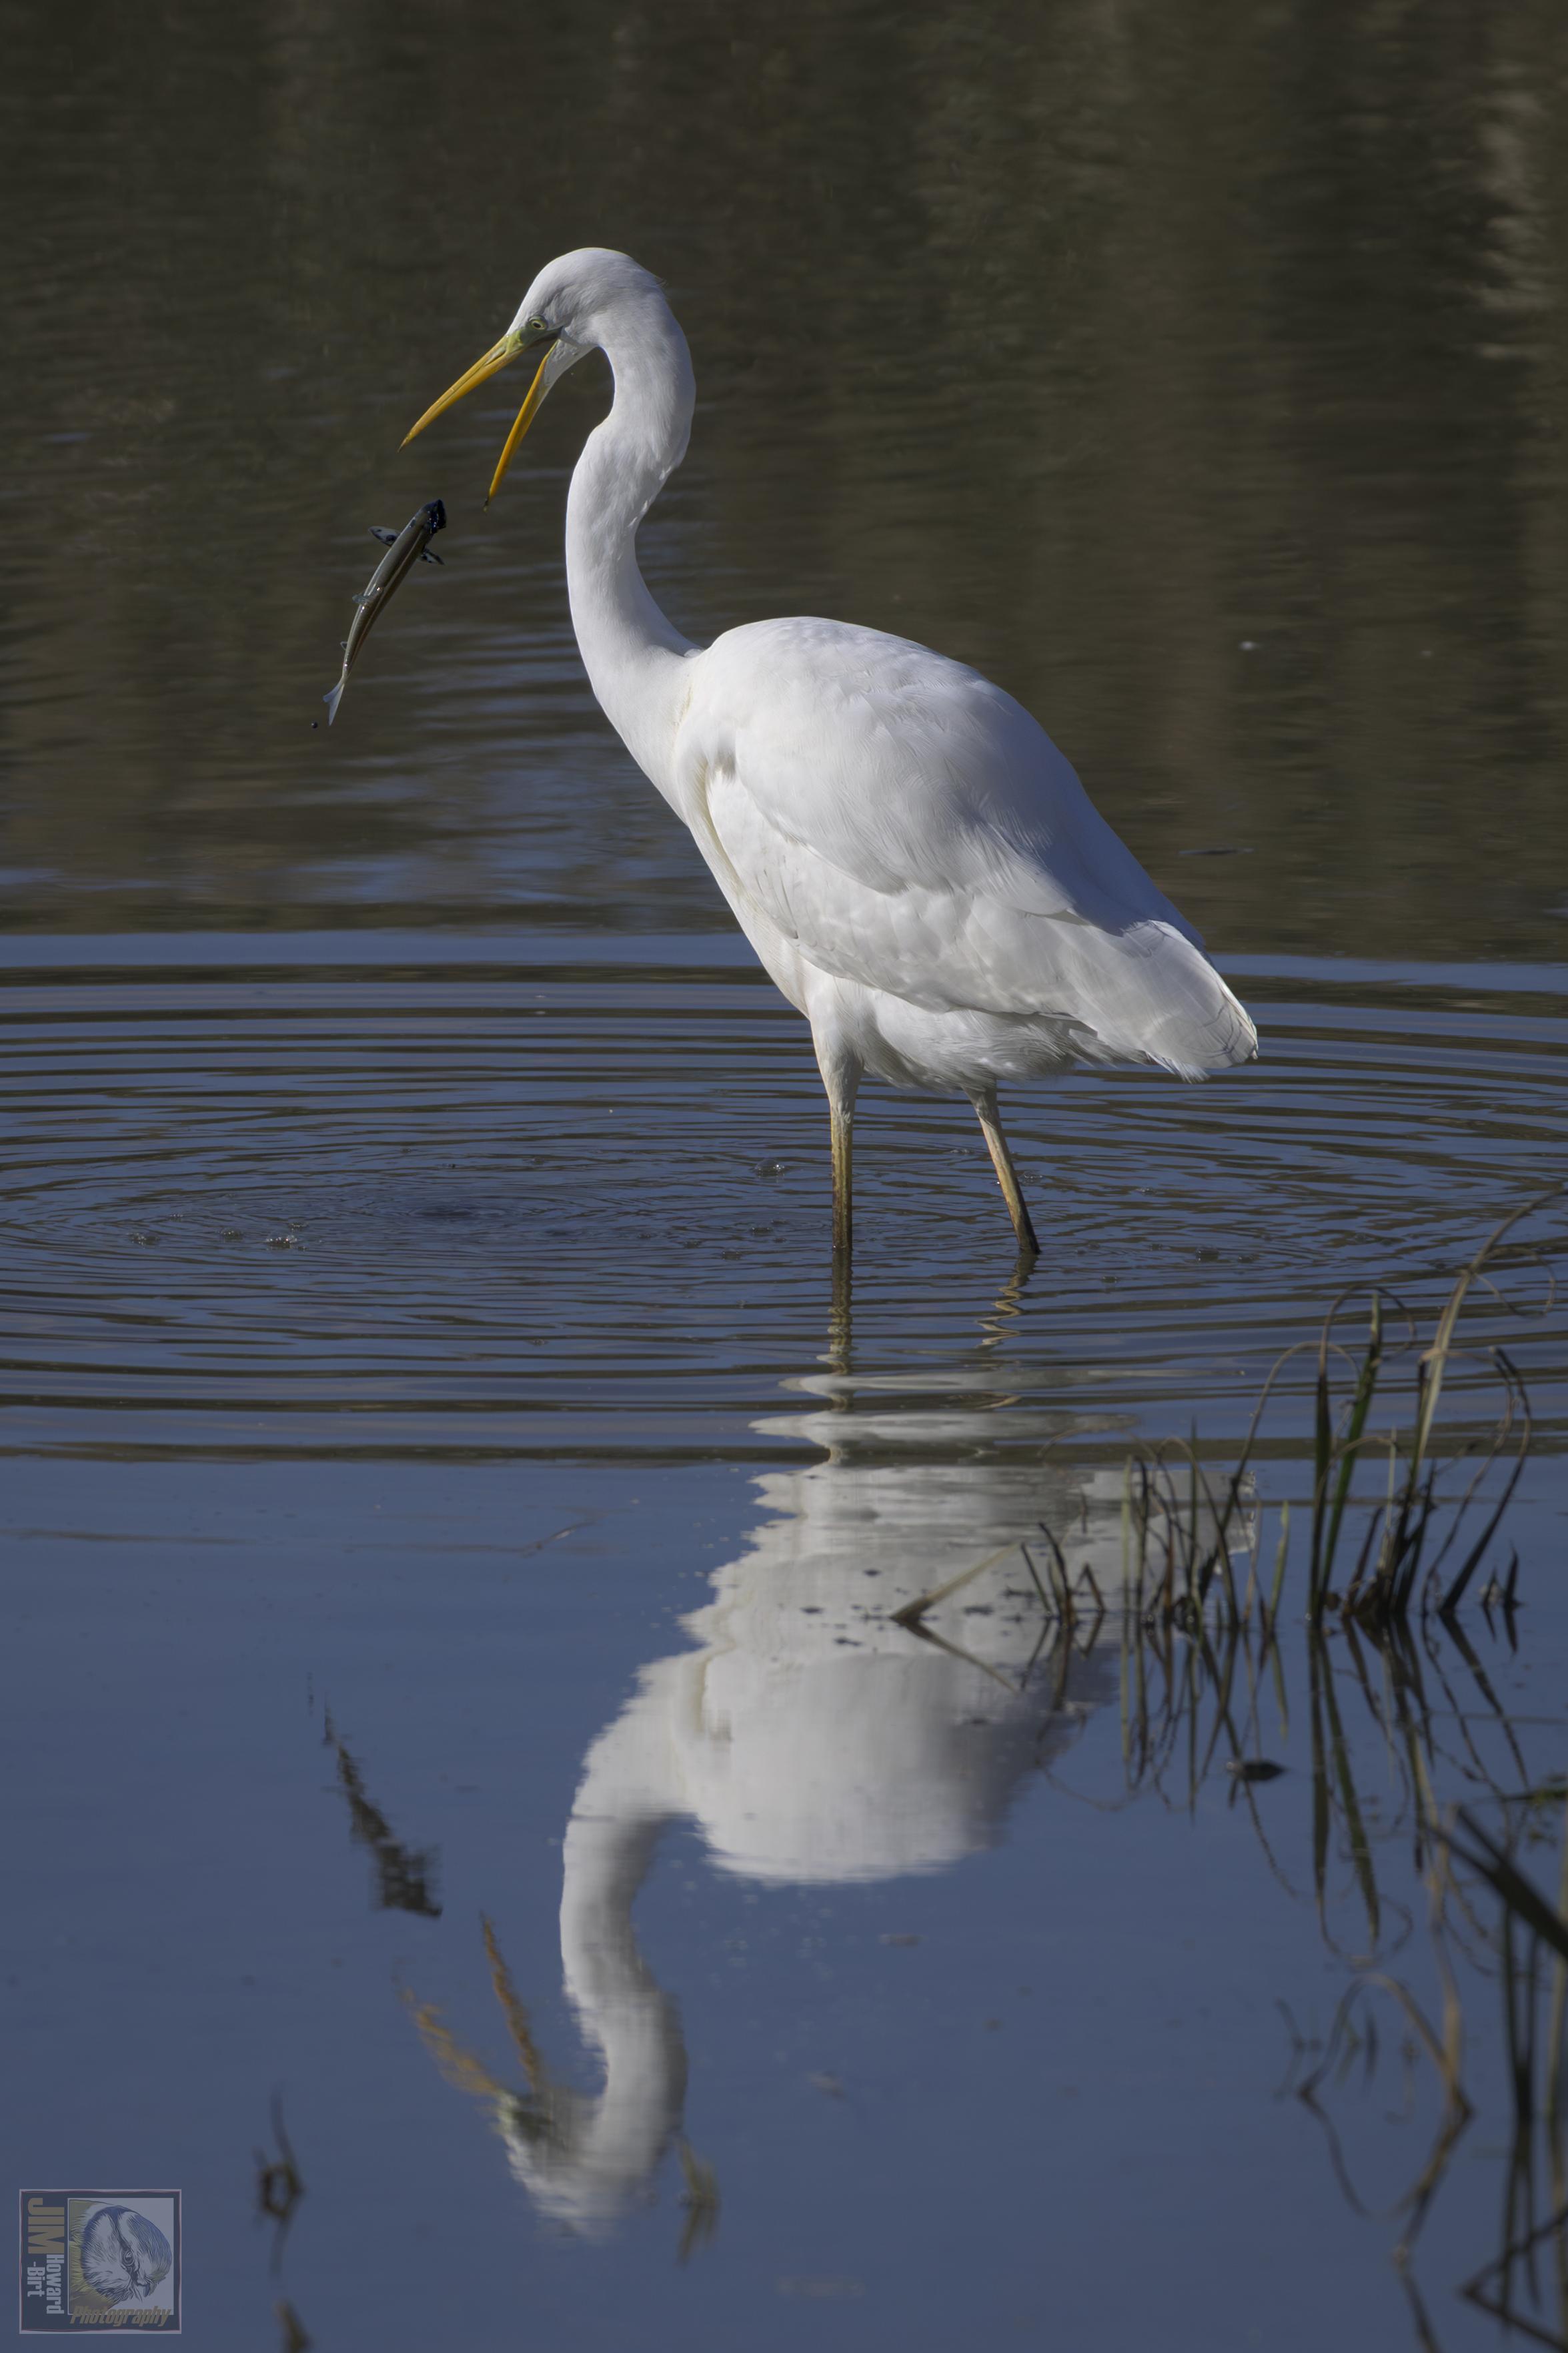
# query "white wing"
(911, 827)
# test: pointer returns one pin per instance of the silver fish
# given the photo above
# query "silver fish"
(403, 548)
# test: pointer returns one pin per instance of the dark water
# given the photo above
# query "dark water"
(452, 1528)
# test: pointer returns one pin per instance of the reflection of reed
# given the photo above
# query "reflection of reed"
(405, 1875)
(1201, 1641)
(1190, 1710)
(279, 2185)
(1530, 1949)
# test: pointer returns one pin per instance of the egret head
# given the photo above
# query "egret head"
(570, 309)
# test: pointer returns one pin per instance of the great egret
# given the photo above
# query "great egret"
(915, 863)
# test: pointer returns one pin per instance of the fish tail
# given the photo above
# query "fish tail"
(333, 699)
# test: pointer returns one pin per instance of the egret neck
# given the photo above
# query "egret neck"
(635, 659)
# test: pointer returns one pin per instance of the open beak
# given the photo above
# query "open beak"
(557, 359)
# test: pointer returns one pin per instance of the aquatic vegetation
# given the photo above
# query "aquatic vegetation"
(1391, 1735)
(1421, 1799)
(1192, 1542)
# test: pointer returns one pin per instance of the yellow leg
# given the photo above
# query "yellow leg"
(1006, 1175)
(841, 1325)
(840, 1080)
(842, 1128)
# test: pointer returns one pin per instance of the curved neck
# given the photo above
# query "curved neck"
(619, 1811)
(634, 657)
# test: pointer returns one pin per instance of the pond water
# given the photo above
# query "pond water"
(457, 1728)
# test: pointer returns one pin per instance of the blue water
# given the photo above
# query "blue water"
(451, 1526)
(425, 1395)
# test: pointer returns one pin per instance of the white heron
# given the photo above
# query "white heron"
(915, 863)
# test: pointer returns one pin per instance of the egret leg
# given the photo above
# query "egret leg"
(841, 1073)
(842, 1128)
(841, 1326)
(1006, 1175)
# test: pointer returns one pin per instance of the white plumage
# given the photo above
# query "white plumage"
(920, 842)
(914, 862)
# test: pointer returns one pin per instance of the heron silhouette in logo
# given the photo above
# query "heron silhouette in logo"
(123, 2255)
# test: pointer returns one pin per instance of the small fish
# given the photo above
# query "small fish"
(403, 548)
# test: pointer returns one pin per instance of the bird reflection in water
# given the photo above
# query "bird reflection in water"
(810, 1739)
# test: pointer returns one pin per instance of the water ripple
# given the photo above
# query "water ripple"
(555, 1197)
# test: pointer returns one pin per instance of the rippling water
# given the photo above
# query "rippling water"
(452, 1528)
(541, 1195)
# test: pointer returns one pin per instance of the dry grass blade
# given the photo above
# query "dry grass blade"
(1456, 1592)
(513, 2008)
(458, 2065)
(1325, 1543)
(1435, 1359)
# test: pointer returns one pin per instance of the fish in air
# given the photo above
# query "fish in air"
(404, 549)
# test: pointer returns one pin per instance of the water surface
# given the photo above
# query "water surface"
(454, 1527)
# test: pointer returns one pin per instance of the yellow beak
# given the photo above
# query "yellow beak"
(525, 416)
(499, 356)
